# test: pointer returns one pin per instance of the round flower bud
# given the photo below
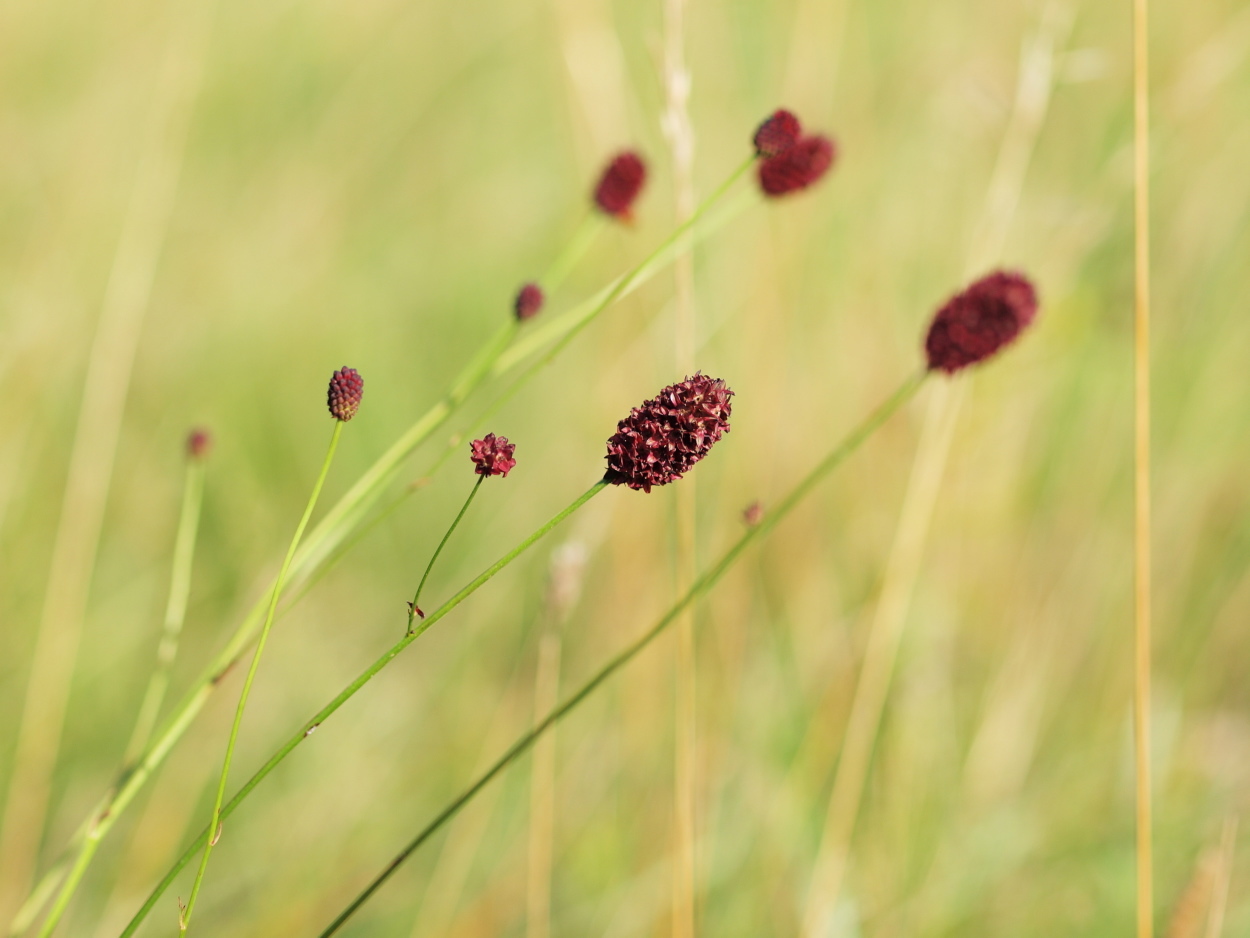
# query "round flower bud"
(620, 184)
(492, 455)
(777, 134)
(529, 302)
(199, 442)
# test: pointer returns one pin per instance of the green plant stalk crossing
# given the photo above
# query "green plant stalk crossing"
(700, 587)
(329, 533)
(184, 919)
(348, 692)
(88, 839)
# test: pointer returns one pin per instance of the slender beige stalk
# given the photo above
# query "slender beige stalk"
(1141, 467)
(1034, 84)
(543, 792)
(680, 136)
(93, 453)
(1223, 873)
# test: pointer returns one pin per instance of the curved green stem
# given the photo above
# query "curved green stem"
(153, 697)
(414, 609)
(700, 587)
(184, 919)
(573, 252)
(347, 693)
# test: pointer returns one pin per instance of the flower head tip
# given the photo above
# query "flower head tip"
(529, 302)
(620, 184)
(777, 134)
(974, 324)
(199, 442)
(661, 440)
(346, 390)
(492, 455)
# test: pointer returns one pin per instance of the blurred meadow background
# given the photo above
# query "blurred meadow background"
(273, 190)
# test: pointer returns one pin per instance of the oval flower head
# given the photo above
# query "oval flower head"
(661, 441)
(492, 455)
(620, 184)
(346, 390)
(974, 324)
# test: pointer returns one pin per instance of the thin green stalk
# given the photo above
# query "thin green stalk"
(414, 609)
(184, 919)
(700, 587)
(347, 693)
(175, 608)
(154, 696)
(573, 252)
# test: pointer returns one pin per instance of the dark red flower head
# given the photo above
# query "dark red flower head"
(199, 442)
(492, 455)
(620, 184)
(777, 134)
(529, 302)
(661, 441)
(346, 389)
(798, 166)
(976, 323)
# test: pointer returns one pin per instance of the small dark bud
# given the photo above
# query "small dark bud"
(492, 455)
(620, 184)
(199, 442)
(346, 390)
(661, 441)
(414, 611)
(753, 514)
(976, 323)
(529, 302)
(797, 167)
(777, 134)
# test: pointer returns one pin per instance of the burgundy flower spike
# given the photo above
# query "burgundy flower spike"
(492, 455)
(797, 167)
(976, 323)
(777, 134)
(661, 441)
(199, 442)
(529, 302)
(346, 389)
(620, 184)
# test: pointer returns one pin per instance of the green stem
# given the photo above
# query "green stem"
(700, 587)
(154, 696)
(184, 919)
(414, 609)
(573, 252)
(175, 609)
(347, 693)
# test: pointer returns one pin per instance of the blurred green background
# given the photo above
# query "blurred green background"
(368, 183)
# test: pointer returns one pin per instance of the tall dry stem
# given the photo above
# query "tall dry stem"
(679, 133)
